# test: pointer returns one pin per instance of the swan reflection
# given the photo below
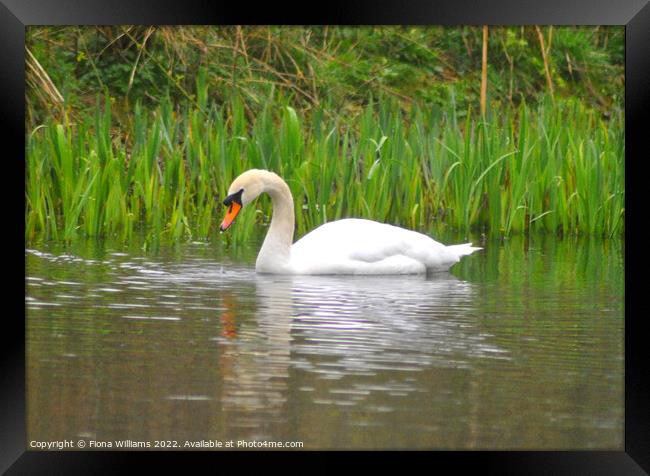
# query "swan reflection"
(376, 322)
(335, 326)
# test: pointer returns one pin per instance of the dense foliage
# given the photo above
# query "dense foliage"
(339, 68)
(134, 128)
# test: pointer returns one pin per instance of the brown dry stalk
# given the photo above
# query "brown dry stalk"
(269, 69)
(484, 71)
(137, 59)
(545, 59)
(42, 78)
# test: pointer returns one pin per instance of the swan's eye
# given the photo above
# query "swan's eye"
(233, 198)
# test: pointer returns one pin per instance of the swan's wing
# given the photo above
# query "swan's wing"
(364, 246)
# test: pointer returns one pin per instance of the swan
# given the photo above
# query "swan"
(346, 246)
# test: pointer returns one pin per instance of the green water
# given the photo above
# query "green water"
(519, 346)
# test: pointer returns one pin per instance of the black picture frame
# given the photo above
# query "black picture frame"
(15, 15)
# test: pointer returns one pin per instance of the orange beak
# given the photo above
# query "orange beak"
(233, 210)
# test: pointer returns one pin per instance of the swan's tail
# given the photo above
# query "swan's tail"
(463, 250)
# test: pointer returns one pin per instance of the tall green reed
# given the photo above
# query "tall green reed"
(556, 167)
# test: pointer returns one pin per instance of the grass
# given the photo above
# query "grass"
(558, 167)
(338, 66)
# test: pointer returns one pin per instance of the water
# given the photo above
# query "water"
(520, 346)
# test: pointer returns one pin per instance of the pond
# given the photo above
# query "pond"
(519, 346)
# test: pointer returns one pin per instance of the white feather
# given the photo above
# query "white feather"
(356, 246)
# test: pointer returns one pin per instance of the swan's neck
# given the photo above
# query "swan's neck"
(276, 249)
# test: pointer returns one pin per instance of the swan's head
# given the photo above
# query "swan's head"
(243, 190)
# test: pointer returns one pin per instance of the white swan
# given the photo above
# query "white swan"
(348, 246)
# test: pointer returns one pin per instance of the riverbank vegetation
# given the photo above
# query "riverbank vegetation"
(142, 129)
